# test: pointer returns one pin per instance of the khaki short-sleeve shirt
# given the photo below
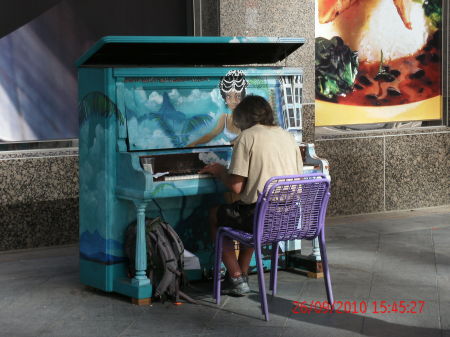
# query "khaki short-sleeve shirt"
(260, 153)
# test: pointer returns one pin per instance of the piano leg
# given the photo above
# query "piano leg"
(140, 279)
(310, 264)
(317, 271)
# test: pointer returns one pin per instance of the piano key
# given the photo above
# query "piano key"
(189, 176)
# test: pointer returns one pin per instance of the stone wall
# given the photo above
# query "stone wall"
(38, 198)
(371, 171)
(388, 170)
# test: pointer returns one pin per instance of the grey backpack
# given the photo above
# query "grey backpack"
(165, 261)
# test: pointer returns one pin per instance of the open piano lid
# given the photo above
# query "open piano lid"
(188, 50)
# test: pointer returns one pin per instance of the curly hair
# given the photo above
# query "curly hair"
(253, 110)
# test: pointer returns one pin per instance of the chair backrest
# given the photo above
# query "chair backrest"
(291, 207)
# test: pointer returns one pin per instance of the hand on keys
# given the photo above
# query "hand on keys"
(215, 169)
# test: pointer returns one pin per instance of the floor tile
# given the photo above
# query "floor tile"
(417, 320)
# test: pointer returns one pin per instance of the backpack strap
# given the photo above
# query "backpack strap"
(168, 258)
(178, 249)
(187, 298)
(177, 244)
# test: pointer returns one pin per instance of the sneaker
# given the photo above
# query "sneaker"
(236, 286)
(225, 276)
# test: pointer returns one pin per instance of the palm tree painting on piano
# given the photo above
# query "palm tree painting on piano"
(98, 102)
(97, 106)
(175, 125)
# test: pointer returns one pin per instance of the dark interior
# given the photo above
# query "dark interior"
(182, 54)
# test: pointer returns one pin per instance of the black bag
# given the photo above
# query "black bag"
(165, 261)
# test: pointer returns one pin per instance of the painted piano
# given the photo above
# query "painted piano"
(169, 99)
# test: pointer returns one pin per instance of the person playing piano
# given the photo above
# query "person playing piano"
(262, 150)
(232, 88)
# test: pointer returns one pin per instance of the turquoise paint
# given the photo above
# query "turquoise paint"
(111, 278)
(96, 275)
(122, 116)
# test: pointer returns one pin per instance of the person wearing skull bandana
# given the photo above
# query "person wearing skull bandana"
(233, 89)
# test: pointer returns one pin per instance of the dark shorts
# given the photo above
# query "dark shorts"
(237, 215)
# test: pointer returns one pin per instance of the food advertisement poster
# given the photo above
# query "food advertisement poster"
(377, 61)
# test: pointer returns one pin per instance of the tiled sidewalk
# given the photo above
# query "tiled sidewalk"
(396, 256)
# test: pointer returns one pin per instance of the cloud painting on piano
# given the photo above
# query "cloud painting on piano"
(93, 245)
(183, 111)
(175, 125)
(177, 113)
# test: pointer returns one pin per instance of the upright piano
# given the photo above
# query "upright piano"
(152, 97)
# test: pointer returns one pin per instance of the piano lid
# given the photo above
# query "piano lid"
(187, 50)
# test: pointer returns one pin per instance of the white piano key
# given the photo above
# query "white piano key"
(189, 176)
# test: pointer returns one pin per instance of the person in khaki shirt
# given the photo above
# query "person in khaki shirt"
(262, 150)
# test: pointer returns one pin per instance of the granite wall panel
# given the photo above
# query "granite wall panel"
(287, 18)
(388, 172)
(308, 123)
(356, 168)
(38, 224)
(25, 180)
(210, 17)
(417, 171)
(38, 199)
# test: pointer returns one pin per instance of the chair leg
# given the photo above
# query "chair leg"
(326, 271)
(217, 265)
(274, 268)
(262, 286)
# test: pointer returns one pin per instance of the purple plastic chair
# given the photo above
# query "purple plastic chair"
(290, 207)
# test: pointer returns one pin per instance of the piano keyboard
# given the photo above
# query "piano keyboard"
(306, 169)
(187, 176)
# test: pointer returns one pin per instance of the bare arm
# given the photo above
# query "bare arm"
(234, 182)
(214, 132)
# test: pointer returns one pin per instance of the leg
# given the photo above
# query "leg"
(229, 258)
(237, 285)
(228, 255)
(245, 256)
